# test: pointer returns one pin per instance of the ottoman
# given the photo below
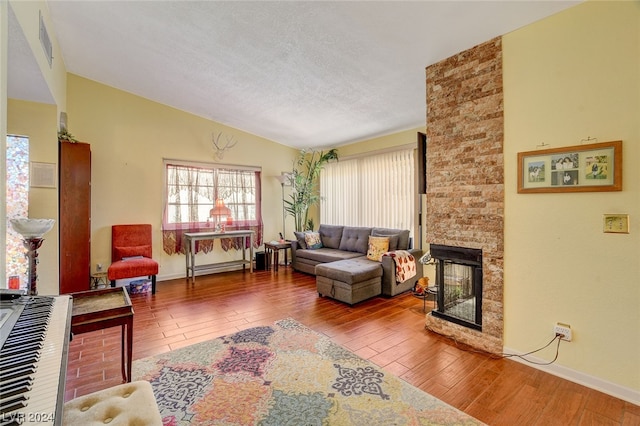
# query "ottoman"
(350, 280)
(123, 405)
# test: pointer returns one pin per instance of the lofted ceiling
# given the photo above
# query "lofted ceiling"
(304, 74)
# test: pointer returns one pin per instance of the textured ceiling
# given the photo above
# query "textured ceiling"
(305, 74)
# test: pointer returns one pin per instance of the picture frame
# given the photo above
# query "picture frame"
(595, 167)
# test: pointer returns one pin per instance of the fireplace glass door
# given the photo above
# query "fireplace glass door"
(459, 297)
(459, 282)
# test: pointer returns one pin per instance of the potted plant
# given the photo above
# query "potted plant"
(304, 180)
(64, 135)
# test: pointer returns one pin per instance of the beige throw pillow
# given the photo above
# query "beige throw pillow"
(312, 239)
(377, 247)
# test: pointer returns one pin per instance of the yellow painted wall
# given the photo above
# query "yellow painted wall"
(38, 122)
(568, 77)
(129, 138)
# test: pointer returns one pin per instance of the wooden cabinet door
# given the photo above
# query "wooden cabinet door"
(75, 216)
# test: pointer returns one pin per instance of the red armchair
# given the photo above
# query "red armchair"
(131, 254)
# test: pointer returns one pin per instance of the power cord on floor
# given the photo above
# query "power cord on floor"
(502, 355)
(557, 337)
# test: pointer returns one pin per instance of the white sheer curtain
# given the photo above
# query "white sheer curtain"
(376, 190)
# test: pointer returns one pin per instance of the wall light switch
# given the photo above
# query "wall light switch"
(616, 223)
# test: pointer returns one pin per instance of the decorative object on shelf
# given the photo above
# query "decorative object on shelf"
(32, 231)
(63, 120)
(65, 136)
(285, 180)
(218, 147)
(595, 167)
(304, 179)
(426, 259)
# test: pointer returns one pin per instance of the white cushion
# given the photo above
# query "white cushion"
(129, 404)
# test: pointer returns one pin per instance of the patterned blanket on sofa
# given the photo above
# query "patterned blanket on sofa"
(405, 264)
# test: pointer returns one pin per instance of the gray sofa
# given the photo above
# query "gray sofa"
(341, 243)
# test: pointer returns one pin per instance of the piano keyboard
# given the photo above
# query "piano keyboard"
(33, 361)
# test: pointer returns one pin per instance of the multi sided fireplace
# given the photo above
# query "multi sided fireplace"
(459, 285)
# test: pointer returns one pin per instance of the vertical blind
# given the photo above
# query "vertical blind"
(377, 190)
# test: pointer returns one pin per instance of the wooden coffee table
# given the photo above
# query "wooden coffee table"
(98, 309)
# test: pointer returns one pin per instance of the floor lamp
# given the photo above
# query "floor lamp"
(283, 179)
(32, 231)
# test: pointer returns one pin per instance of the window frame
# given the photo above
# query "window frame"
(207, 225)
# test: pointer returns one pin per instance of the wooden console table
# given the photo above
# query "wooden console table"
(97, 309)
(190, 246)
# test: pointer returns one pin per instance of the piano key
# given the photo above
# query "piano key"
(21, 339)
(35, 346)
(19, 361)
(13, 400)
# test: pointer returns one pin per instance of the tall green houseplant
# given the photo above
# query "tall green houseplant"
(304, 183)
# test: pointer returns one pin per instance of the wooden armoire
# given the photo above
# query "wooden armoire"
(74, 216)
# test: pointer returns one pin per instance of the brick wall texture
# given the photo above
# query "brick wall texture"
(465, 175)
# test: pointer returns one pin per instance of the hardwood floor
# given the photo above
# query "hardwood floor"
(389, 332)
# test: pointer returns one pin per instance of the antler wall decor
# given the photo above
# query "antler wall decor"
(219, 148)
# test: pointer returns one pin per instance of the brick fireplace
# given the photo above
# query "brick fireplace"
(465, 176)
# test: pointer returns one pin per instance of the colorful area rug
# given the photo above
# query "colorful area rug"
(284, 374)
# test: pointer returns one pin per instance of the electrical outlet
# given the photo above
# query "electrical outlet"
(99, 267)
(564, 330)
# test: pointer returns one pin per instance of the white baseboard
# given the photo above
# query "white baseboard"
(167, 277)
(621, 392)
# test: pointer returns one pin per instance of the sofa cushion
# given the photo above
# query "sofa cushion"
(312, 240)
(132, 268)
(330, 235)
(401, 234)
(127, 404)
(325, 255)
(377, 247)
(350, 270)
(355, 239)
(393, 239)
(122, 252)
(300, 239)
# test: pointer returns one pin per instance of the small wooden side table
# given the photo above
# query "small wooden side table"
(99, 280)
(97, 309)
(273, 248)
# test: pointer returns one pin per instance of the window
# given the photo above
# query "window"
(373, 191)
(196, 193)
(17, 204)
